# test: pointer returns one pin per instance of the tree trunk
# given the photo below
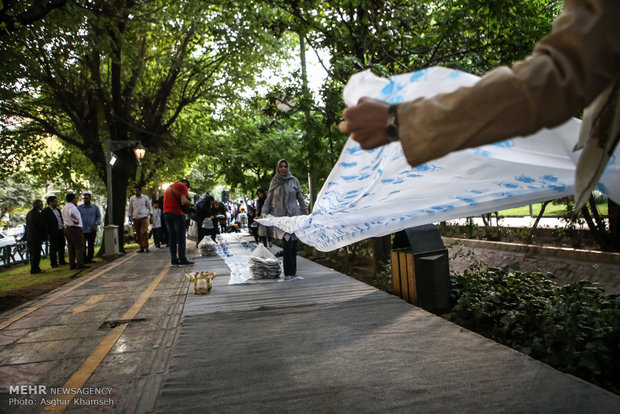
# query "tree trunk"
(595, 229)
(535, 225)
(381, 252)
(308, 118)
(123, 170)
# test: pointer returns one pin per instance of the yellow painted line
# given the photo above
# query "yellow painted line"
(89, 304)
(63, 292)
(79, 378)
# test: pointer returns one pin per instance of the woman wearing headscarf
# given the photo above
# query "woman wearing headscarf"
(265, 233)
(285, 198)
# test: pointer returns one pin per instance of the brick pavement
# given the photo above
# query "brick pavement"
(110, 331)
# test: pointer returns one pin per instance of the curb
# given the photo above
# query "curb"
(591, 256)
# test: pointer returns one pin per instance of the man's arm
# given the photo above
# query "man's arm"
(75, 215)
(566, 71)
(97, 218)
(130, 208)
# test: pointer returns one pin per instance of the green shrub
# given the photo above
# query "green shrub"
(575, 328)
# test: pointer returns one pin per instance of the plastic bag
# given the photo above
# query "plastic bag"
(192, 234)
(263, 264)
(207, 246)
(201, 281)
(207, 223)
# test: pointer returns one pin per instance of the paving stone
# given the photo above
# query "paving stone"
(10, 336)
(61, 332)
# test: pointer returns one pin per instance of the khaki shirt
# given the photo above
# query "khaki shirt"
(567, 70)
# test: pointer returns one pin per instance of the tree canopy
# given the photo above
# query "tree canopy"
(127, 70)
(198, 82)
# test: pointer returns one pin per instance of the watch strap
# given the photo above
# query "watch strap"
(391, 127)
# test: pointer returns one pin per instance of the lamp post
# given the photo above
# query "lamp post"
(112, 146)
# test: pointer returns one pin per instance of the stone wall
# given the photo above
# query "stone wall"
(567, 265)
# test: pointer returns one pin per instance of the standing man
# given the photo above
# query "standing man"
(53, 221)
(36, 233)
(202, 213)
(265, 233)
(139, 215)
(156, 222)
(72, 219)
(91, 220)
(174, 198)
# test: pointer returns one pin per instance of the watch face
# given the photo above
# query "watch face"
(392, 132)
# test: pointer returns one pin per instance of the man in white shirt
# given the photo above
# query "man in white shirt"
(56, 231)
(139, 215)
(72, 220)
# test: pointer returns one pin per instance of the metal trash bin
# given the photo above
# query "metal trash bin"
(111, 240)
(420, 268)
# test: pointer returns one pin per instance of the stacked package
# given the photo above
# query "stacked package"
(207, 246)
(263, 264)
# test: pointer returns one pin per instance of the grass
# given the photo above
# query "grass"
(552, 210)
(17, 285)
(19, 277)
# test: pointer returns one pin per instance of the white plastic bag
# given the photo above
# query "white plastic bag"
(207, 223)
(263, 264)
(207, 246)
(192, 234)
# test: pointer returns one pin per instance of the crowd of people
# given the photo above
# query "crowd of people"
(284, 198)
(167, 219)
(74, 227)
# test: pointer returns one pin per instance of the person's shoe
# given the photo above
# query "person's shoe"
(174, 262)
(147, 250)
(279, 254)
(186, 262)
(62, 263)
(141, 251)
(83, 267)
(32, 272)
(270, 245)
(55, 265)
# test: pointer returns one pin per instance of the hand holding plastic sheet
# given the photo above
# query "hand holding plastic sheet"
(376, 192)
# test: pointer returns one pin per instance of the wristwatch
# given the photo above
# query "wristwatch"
(391, 127)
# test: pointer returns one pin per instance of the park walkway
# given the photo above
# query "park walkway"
(135, 337)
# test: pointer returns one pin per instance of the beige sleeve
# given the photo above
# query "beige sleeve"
(566, 71)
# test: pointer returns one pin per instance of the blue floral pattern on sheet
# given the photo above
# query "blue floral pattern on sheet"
(374, 193)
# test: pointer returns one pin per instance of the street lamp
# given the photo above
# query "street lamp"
(140, 151)
(112, 146)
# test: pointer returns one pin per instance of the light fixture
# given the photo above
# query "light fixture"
(112, 159)
(140, 151)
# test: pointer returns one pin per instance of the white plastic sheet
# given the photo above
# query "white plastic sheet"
(374, 193)
(207, 246)
(236, 250)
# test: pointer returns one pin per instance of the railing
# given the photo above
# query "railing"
(18, 253)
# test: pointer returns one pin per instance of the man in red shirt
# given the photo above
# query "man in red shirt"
(175, 197)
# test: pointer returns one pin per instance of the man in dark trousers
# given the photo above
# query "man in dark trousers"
(72, 219)
(36, 233)
(91, 219)
(54, 224)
